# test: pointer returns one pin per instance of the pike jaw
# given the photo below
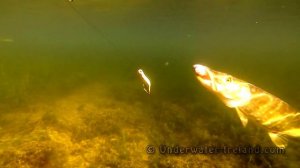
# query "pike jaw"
(232, 91)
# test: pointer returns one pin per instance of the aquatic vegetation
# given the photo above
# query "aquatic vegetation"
(91, 127)
(68, 133)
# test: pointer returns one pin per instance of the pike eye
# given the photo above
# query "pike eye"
(229, 79)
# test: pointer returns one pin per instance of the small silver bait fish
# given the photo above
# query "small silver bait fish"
(270, 112)
(145, 80)
(6, 40)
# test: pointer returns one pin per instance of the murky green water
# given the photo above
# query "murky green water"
(70, 95)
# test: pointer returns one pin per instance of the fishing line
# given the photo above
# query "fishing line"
(92, 26)
(130, 62)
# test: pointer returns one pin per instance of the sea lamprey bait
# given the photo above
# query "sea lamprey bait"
(272, 113)
(145, 80)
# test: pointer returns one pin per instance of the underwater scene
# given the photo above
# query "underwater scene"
(149, 83)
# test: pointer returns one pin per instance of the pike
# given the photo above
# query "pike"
(276, 116)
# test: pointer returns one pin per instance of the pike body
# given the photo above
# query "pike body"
(272, 113)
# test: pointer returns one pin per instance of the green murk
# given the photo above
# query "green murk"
(70, 95)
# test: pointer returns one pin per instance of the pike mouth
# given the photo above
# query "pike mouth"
(202, 72)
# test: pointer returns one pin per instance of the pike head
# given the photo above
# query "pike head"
(232, 91)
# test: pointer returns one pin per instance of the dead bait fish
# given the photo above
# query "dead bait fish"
(272, 113)
(145, 80)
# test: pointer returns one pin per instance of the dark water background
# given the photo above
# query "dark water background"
(51, 49)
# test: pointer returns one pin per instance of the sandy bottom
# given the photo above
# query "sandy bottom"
(93, 128)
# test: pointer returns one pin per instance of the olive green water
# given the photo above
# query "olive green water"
(70, 95)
